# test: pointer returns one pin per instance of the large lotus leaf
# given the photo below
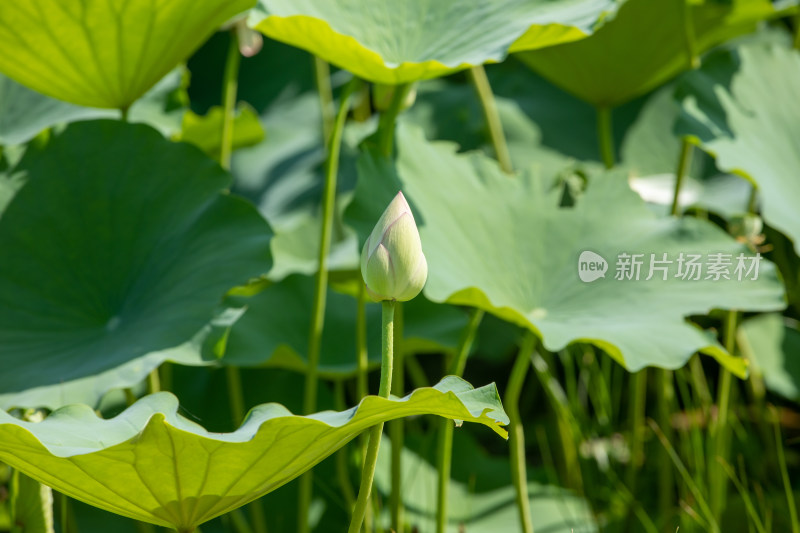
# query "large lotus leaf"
(772, 343)
(274, 329)
(92, 389)
(476, 222)
(419, 39)
(552, 508)
(151, 464)
(108, 255)
(103, 53)
(742, 107)
(24, 112)
(643, 46)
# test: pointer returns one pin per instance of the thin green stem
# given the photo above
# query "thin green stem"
(235, 394)
(605, 136)
(684, 161)
(342, 471)
(322, 78)
(720, 430)
(388, 118)
(568, 427)
(516, 433)
(396, 427)
(489, 106)
(636, 415)
(741, 488)
(415, 371)
(787, 484)
(666, 484)
(362, 360)
(466, 341)
(752, 202)
(687, 479)
(362, 375)
(64, 514)
(321, 287)
(153, 382)
(368, 472)
(230, 85)
(445, 451)
(124, 113)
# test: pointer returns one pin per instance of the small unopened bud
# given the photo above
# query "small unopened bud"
(250, 40)
(392, 262)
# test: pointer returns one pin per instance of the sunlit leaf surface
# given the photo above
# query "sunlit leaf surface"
(103, 53)
(151, 464)
(398, 42)
(505, 245)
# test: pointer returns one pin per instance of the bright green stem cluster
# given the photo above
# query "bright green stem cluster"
(368, 472)
(444, 457)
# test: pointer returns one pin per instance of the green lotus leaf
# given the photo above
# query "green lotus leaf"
(108, 255)
(274, 329)
(24, 112)
(206, 131)
(151, 464)
(92, 389)
(772, 342)
(103, 54)
(742, 107)
(552, 508)
(475, 222)
(643, 46)
(421, 39)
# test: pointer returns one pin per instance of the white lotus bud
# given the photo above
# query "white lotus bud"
(392, 262)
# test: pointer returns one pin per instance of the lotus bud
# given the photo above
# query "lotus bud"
(392, 262)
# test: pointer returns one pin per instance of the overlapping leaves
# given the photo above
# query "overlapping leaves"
(505, 245)
(742, 107)
(645, 44)
(151, 464)
(401, 42)
(108, 255)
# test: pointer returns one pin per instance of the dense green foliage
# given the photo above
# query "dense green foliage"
(606, 195)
